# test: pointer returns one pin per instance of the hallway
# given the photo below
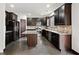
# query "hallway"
(43, 48)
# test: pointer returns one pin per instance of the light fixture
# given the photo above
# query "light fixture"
(48, 5)
(12, 6)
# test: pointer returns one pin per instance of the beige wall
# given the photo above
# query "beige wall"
(2, 27)
(75, 27)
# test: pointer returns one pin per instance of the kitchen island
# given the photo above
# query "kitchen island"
(31, 38)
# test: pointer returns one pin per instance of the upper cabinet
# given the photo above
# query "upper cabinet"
(63, 15)
(31, 21)
(10, 16)
(43, 21)
(56, 20)
(35, 21)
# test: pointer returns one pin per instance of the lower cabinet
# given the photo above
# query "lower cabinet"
(45, 33)
(52, 37)
(31, 40)
(55, 40)
(67, 43)
(9, 38)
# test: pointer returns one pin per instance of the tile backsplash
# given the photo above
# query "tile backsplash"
(62, 28)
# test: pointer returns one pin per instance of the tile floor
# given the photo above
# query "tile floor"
(43, 47)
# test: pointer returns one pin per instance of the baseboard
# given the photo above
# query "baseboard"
(73, 51)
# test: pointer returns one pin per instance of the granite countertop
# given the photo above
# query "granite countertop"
(59, 32)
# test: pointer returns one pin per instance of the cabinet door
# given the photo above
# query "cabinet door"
(49, 36)
(7, 18)
(61, 16)
(55, 40)
(43, 21)
(56, 21)
(44, 33)
(9, 38)
(68, 14)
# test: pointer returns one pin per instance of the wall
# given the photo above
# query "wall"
(2, 27)
(75, 27)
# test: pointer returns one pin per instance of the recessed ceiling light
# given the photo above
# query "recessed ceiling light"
(48, 5)
(12, 6)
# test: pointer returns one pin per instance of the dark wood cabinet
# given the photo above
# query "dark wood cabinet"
(68, 13)
(11, 19)
(63, 15)
(32, 21)
(56, 20)
(32, 40)
(7, 18)
(55, 40)
(43, 21)
(45, 34)
(9, 37)
(51, 37)
(67, 43)
(12, 26)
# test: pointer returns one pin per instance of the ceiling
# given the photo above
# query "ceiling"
(31, 9)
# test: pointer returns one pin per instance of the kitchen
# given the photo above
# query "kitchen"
(54, 26)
